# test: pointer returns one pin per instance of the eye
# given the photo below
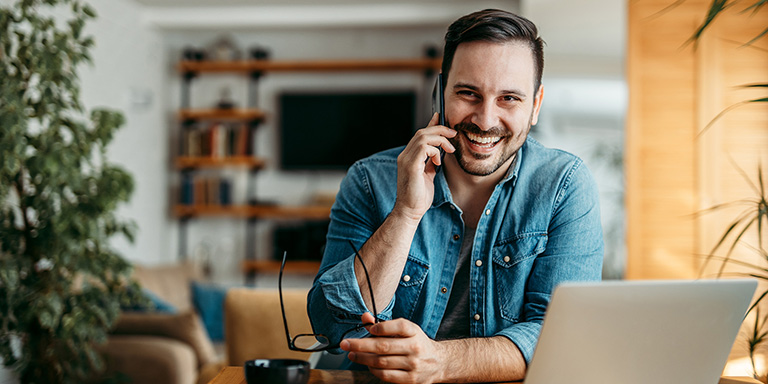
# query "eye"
(467, 94)
(510, 98)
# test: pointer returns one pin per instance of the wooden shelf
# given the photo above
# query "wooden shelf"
(313, 212)
(185, 162)
(319, 212)
(305, 267)
(242, 114)
(420, 64)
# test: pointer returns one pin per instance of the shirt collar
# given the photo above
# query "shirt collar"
(443, 193)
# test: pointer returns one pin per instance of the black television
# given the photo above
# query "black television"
(332, 130)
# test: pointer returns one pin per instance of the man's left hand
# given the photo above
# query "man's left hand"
(398, 352)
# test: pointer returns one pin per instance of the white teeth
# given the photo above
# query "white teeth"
(483, 140)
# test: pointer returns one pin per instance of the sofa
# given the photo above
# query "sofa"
(163, 347)
(254, 324)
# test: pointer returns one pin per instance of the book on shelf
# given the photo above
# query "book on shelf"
(218, 139)
(205, 191)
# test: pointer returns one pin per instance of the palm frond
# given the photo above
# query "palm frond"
(665, 10)
(754, 305)
(730, 108)
(715, 9)
(736, 241)
(747, 178)
(756, 6)
(741, 263)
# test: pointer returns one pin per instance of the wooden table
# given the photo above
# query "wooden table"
(234, 375)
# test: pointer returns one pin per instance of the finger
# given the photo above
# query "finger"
(437, 130)
(378, 345)
(433, 153)
(434, 120)
(433, 137)
(393, 375)
(395, 328)
(367, 318)
(373, 360)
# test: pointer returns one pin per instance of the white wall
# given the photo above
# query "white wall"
(127, 75)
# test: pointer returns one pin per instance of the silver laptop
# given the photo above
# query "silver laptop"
(640, 332)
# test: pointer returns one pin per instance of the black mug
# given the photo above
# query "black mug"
(276, 371)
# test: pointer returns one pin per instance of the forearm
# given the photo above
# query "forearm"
(481, 360)
(385, 254)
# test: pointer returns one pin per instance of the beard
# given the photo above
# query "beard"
(475, 163)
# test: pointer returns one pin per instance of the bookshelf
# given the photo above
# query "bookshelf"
(216, 139)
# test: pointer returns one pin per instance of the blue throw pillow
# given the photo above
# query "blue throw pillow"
(209, 303)
(156, 304)
(159, 304)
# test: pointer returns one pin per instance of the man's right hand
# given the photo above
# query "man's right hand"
(416, 169)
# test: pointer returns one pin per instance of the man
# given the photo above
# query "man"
(462, 251)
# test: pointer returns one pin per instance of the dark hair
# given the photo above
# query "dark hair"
(495, 26)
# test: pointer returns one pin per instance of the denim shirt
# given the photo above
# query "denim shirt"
(540, 227)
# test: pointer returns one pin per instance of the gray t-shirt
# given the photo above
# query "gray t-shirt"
(455, 323)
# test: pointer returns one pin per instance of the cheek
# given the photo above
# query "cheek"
(456, 112)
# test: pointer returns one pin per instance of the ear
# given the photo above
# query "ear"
(537, 105)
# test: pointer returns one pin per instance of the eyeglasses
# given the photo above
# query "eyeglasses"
(315, 342)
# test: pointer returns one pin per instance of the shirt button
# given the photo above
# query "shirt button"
(487, 212)
(479, 263)
(406, 278)
(477, 316)
(507, 259)
(443, 289)
(456, 237)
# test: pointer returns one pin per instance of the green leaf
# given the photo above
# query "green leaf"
(54, 158)
(89, 11)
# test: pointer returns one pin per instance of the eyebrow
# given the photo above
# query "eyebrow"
(503, 92)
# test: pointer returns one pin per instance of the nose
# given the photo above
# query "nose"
(485, 115)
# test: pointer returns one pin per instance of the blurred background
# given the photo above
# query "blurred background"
(243, 115)
(139, 44)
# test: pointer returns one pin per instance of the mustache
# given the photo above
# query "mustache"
(473, 128)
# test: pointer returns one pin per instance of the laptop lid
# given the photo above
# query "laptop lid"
(639, 332)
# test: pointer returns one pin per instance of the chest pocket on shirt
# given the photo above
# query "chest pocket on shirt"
(409, 288)
(512, 263)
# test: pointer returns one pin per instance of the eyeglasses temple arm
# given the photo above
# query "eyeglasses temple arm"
(282, 306)
(368, 279)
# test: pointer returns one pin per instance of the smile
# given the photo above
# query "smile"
(481, 141)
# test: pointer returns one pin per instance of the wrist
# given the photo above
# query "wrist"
(442, 349)
(406, 216)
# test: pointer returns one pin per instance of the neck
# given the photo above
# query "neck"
(459, 180)
(470, 192)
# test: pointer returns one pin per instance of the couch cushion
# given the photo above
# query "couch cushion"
(208, 300)
(185, 327)
(169, 282)
(254, 324)
(151, 359)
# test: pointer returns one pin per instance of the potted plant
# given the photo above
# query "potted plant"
(754, 213)
(61, 284)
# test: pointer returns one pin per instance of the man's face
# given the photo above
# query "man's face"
(490, 100)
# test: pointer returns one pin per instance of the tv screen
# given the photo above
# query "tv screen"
(330, 131)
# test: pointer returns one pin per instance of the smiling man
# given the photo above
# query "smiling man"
(462, 252)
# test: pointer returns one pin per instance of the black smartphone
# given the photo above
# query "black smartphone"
(438, 105)
(438, 98)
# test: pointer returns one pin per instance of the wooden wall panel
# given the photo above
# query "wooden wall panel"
(675, 90)
(659, 150)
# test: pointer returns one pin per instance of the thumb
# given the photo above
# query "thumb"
(367, 318)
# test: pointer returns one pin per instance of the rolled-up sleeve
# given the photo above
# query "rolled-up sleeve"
(334, 303)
